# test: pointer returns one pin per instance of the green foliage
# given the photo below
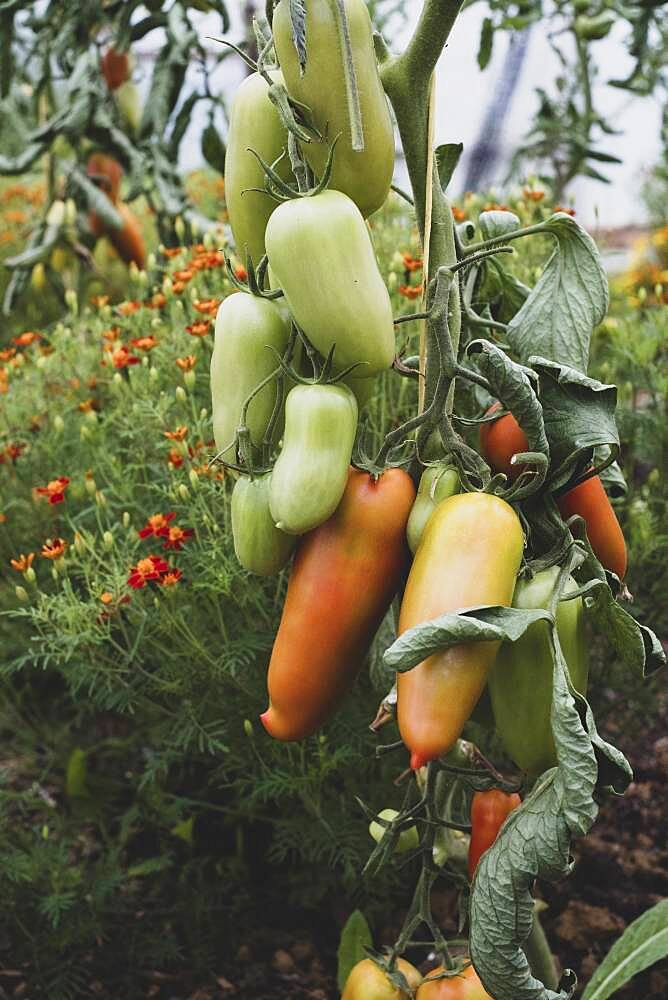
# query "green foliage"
(641, 945)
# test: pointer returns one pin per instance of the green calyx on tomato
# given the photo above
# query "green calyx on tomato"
(254, 124)
(320, 254)
(344, 577)
(311, 472)
(520, 684)
(364, 174)
(259, 545)
(246, 328)
(470, 554)
(437, 483)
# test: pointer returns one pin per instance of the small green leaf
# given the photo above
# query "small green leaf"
(355, 938)
(298, 22)
(486, 42)
(643, 943)
(75, 774)
(447, 158)
(635, 644)
(184, 829)
(497, 223)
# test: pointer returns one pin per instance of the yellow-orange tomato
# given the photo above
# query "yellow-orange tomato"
(109, 170)
(368, 982)
(469, 555)
(466, 986)
(115, 67)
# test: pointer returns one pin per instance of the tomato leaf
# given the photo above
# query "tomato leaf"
(355, 938)
(298, 22)
(447, 158)
(497, 223)
(97, 200)
(643, 943)
(635, 644)
(488, 623)
(568, 301)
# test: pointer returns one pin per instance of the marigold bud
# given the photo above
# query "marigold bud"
(100, 499)
(179, 228)
(183, 491)
(21, 593)
(248, 729)
(30, 575)
(72, 300)
(108, 540)
(180, 394)
(58, 424)
(126, 519)
(194, 479)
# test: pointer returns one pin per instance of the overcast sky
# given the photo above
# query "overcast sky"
(463, 93)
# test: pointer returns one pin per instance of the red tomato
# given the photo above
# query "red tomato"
(488, 813)
(115, 67)
(106, 167)
(466, 986)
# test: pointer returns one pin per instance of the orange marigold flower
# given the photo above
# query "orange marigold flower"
(157, 525)
(97, 301)
(3, 518)
(187, 363)
(169, 579)
(209, 307)
(144, 343)
(240, 272)
(121, 358)
(199, 329)
(208, 260)
(493, 206)
(178, 435)
(178, 287)
(459, 214)
(113, 333)
(27, 338)
(533, 195)
(23, 562)
(7, 354)
(14, 450)
(15, 216)
(182, 275)
(55, 490)
(410, 291)
(88, 405)
(411, 263)
(54, 548)
(175, 458)
(127, 308)
(106, 597)
(156, 301)
(175, 537)
(150, 568)
(560, 208)
(173, 251)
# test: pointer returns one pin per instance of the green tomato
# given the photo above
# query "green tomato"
(408, 839)
(437, 482)
(246, 328)
(311, 471)
(592, 29)
(321, 256)
(364, 175)
(520, 684)
(254, 124)
(259, 545)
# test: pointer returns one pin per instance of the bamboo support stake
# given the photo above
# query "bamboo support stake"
(429, 183)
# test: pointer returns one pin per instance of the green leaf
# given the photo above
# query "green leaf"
(75, 774)
(213, 148)
(98, 201)
(642, 944)
(569, 300)
(298, 23)
(486, 42)
(635, 644)
(487, 623)
(33, 254)
(614, 481)
(447, 158)
(497, 223)
(355, 938)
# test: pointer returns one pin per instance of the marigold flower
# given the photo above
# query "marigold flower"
(209, 307)
(240, 272)
(23, 562)
(536, 195)
(169, 579)
(150, 568)
(178, 435)
(187, 363)
(178, 287)
(26, 339)
(113, 333)
(493, 206)
(173, 251)
(14, 450)
(156, 301)
(122, 357)
(175, 458)
(157, 524)
(7, 354)
(54, 548)
(183, 276)
(199, 329)
(98, 301)
(560, 208)
(127, 308)
(458, 214)
(410, 291)
(144, 343)
(88, 405)
(55, 490)
(175, 537)
(411, 263)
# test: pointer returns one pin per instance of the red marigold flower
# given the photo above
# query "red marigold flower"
(240, 272)
(121, 357)
(14, 450)
(183, 276)
(410, 291)
(178, 435)
(23, 562)
(150, 568)
(175, 458)
(127, 308)
(55, 490)
(560, 208)
(209, 307)
(54, 548)
(7, 354)
(169, 579)
(175, 537)
(411, 263)
(144, 343)
(27, 338)
(187, 363)
(157, 524)
(199, 329)
(458, 214)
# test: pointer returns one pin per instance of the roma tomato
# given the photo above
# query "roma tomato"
(470, 554)
(254, 124)
(368, 982)
(366, 175)
(128, 241)
(115, 67)
(520, 684)
(312, 469)
(108, 172)
(503, 438)
(321, 256)
(437, 482)
(489, 810)
(129, 105)
(259, 545)
(344, 577)
(246, 327)
(466, 986)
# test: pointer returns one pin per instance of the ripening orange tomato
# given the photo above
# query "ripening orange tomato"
(466, 986)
